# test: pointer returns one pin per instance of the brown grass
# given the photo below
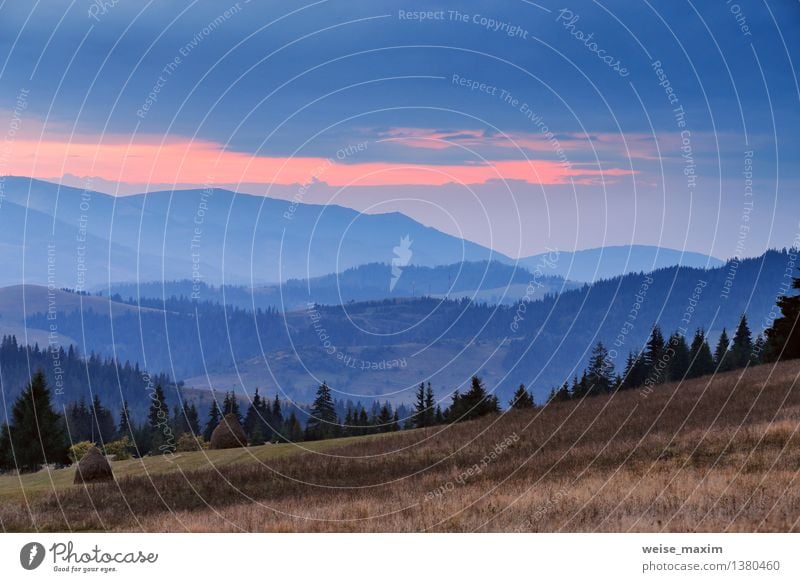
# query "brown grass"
(719, 454)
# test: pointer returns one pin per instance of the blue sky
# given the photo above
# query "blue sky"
(142, 98)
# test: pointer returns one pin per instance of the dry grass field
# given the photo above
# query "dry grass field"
(712, 454)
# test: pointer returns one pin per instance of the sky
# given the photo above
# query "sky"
(519, 125)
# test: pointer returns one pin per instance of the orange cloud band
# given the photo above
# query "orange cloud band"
(204, 162)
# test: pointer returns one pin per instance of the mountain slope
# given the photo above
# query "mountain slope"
(217, 236)
(603, 263)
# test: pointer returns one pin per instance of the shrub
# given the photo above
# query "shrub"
(120, 448)
(78, 450)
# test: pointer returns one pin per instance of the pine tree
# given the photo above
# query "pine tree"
(214, 417)
(600, 374)
(701, 362)
(294, 432)
(430, 404)
(322, 420)
(521, 399)
(473, 403)
(419, 407)
(125, 428)
(395, 426)
(759, 347)
(678, 365)
(721, 353)
(384, 421)
(742, 348)
(253, 418)
(652, 356)
(783, 337)
(276, 420)
(36, 435)
(192, 418)
(635, 371)
(230, 405)
(161, 437)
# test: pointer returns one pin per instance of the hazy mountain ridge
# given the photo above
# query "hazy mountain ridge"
(217, 236)
(385, 347)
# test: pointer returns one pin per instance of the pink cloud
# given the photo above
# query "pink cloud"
(181, 161)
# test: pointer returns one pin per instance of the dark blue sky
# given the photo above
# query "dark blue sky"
(289, 80)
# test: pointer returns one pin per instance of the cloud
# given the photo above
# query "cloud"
(147, 159)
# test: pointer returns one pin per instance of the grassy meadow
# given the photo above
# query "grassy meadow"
(713, 454)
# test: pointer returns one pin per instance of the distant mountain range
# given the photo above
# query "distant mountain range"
(489, 282)
(385, 347)
(51, 234)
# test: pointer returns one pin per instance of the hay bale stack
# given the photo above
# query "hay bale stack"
(229, 434)
(93, 468)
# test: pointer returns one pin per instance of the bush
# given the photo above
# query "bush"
(120, 448)
(78, 450)
(188, 443)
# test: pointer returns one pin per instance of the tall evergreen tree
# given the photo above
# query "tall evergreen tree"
(635, 371)
(652, 356)
(742, 348)
(253, 418)
(322, 420)
(678, 365)
(759, 347)
(161, 437)
(600, 374)
(214, 417)
(473, 403)
(722, 359)
(430, 405)
(36, 434)
(125, 427)
(783, 337)
(103, 422)
(192, 418)
(230, 405)
(294, 432)
(700, 357)
(420, 409)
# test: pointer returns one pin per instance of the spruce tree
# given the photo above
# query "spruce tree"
(600, 374)
(192, 418)
(322, 420)
(420, 409)
(230, 405)
(701, 361)
(678, 365)
(652, 355)
(294, 432)
(214, 417)
(742, 348)
(36, 434)
(253, 417)
(783, 337)
(722, 359)
(384, 421)
(473, 403)
(161, 438)
(125, 428)
(430, 404)
(521, 399)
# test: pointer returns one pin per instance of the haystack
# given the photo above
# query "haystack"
(229, 434)
(93, 468)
